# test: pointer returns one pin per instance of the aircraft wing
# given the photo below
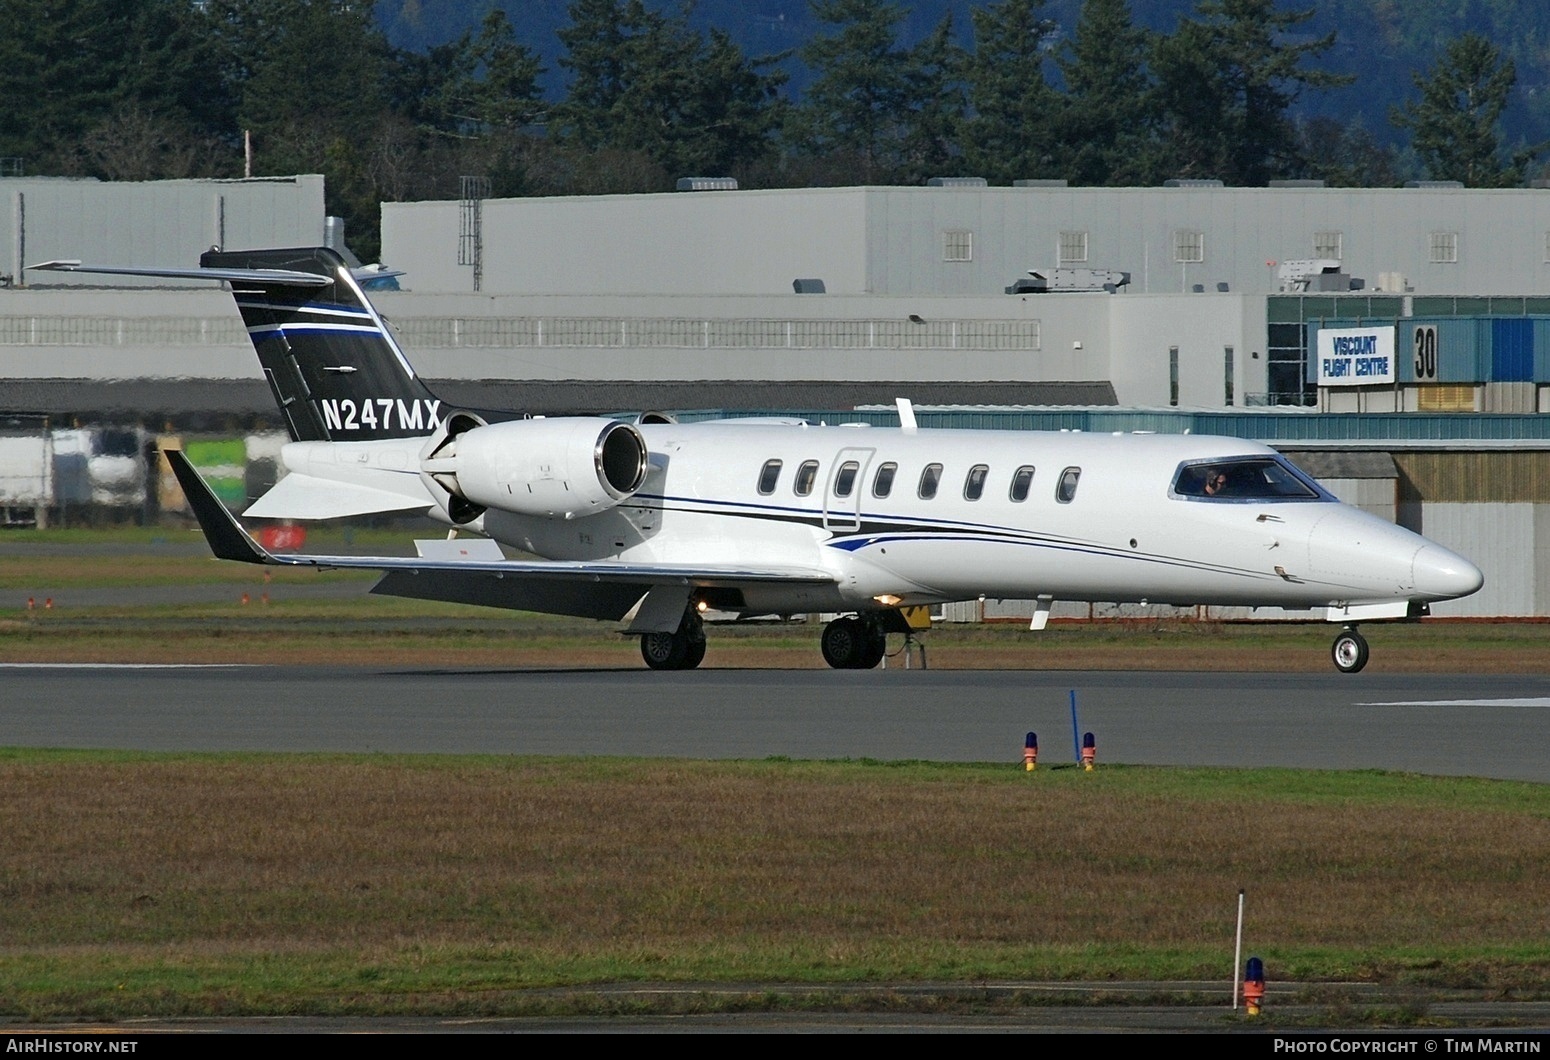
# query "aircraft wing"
(591, 590)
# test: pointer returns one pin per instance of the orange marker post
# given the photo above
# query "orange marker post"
(1089, 752)
(1254, 986)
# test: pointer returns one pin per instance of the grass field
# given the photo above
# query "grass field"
(221, 885)
(176, 885)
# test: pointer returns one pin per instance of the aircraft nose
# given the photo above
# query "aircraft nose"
(1443, 575)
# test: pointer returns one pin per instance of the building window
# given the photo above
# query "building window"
(1288, 366)
(957, 245)
(1189, 245)
(1227, 372)
(1327, 245)
(1444, 248)
(1073, 247)
(1173, 375)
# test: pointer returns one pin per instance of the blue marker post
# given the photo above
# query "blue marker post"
(1076, 738)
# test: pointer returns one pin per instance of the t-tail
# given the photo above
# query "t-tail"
(336, 371)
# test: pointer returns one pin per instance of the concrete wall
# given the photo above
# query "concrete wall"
(161, 222)
(890, 240)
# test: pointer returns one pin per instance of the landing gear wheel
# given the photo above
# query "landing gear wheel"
(842, 643)
(1349, 652)
(695, 654)
(666, 651)
(873, 647)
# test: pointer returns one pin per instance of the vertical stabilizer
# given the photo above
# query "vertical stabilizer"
(335, 369)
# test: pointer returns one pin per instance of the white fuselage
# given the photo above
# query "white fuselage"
(1123, 535)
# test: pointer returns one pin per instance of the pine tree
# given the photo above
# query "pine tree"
(859, 102)
(1012, 133)
(1107, 134)
(1454, 123)
(1226, 84)
(646, 82)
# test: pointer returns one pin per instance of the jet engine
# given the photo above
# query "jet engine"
(561, 468)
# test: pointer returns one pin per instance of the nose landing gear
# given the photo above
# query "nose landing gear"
(1349, 651)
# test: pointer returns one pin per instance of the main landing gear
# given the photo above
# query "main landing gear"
(1349, 651)
(854, 643)
(683, 649)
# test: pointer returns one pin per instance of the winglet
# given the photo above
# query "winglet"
(225, 535)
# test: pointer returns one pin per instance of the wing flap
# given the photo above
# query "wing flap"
(299, 496)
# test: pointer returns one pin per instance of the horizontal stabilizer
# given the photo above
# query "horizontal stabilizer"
(298, 496)
(264, 277)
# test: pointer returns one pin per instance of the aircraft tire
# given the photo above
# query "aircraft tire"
(843, 643)
(874, 646)
(665, 651)
(694, 654)
(1349, 652)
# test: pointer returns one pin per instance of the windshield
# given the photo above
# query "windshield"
(1245, 478)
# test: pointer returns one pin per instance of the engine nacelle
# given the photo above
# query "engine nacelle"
(561, 468)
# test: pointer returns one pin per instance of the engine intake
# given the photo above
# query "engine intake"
(556, 468)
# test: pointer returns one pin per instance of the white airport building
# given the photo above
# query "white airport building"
(1244, 311)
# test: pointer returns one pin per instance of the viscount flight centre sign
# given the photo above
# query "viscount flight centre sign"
(1356, 357)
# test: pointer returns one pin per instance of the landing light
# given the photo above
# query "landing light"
(888, 600)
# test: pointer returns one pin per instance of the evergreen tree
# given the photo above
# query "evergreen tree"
(1012, 133)
(597, 56)
(936, 100)
(67, 66)
(472, 85)
(1225, 85)
(859, 103)
(1108, 129)
(1454, 123)
(647, 83)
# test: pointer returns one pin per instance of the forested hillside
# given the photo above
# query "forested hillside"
(400, 99)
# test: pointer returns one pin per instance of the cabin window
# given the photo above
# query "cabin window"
(845, 480)
(1251, 478)
(929, 479)
(1065, 489)
(974, 482)
(1022, 481)
(882, 483)
(769, 477)
(807, 474)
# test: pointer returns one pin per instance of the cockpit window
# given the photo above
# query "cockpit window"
(1247, 478)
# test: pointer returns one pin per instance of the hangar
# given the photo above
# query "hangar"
(1192, 306)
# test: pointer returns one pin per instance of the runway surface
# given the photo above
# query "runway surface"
(1491, 726)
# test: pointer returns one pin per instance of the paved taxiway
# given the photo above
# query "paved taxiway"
(1476, 725)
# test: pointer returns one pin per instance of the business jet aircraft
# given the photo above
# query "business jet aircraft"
(655, 521)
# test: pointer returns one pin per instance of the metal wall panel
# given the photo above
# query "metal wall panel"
(1500, 540)
(1512, 350)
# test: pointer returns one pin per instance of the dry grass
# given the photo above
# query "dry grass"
(257, 878)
